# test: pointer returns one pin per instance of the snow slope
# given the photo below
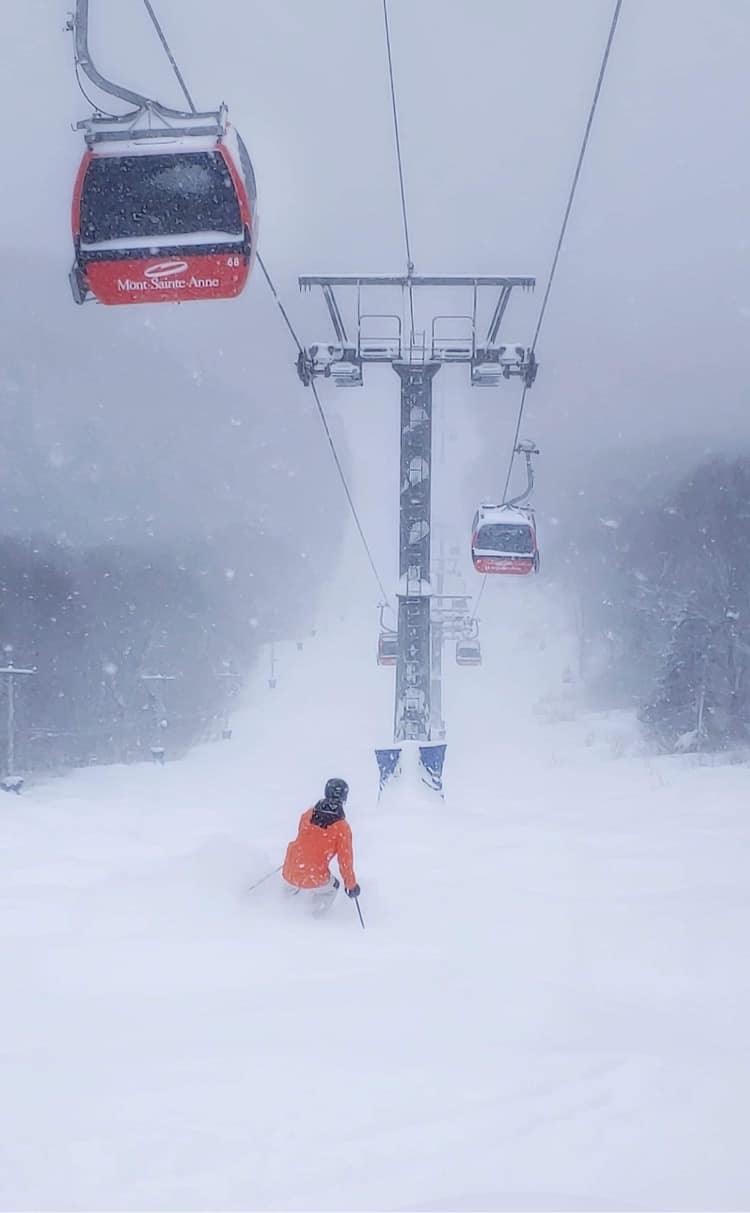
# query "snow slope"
(548, 1009)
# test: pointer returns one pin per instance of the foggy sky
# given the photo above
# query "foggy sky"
(645, 339)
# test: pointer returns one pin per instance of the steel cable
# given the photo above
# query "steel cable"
(563, 229)
(556, 257)
(328, 434)
(168, 52)
(295, 338)
(399, 158)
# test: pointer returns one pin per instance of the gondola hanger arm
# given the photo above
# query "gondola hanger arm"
(528, 450)
(80, 27)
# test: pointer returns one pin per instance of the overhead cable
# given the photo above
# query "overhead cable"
(352, 507)
(563, 229)
(328, 434)
(297, 342)
(168, 51)
(279, 304)
(399, 158)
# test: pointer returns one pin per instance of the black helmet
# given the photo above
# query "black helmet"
(337, 791)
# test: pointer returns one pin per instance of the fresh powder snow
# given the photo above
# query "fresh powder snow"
(548, 1008)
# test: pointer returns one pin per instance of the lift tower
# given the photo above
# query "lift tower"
(380, 337)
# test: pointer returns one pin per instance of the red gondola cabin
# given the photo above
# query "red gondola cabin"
(388, 648)
(504, 540)
(163, 218)
(468, 652)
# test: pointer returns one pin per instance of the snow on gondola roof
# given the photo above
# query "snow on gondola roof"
(499, 514)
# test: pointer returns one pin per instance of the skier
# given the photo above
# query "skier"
(323, 832)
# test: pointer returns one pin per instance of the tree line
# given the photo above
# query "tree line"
(93, 621)
(663, 606)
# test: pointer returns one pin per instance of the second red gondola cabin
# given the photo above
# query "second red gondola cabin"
(504, 540)
(388, 648)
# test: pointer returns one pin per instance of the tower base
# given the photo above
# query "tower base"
(430, 758)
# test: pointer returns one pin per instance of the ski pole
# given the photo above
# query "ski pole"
(267, 876)
(361, 919)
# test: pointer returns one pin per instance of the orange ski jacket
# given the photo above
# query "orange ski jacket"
(308, 857)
